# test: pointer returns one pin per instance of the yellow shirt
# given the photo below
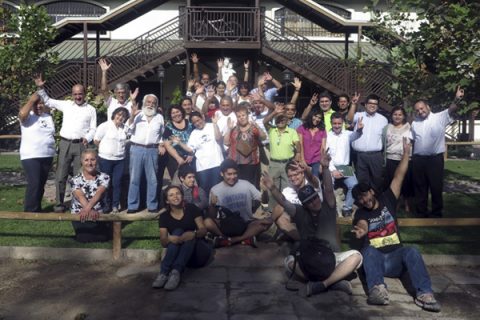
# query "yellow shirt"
(282, 144)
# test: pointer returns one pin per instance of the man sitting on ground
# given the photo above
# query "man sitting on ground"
(238, 197)
(317, 219)
(383, 252)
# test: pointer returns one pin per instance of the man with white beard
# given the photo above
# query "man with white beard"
(146, 127)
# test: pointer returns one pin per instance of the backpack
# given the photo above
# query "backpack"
(231, 223)
(316, 259)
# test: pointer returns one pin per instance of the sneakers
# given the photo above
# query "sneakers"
(160, 281)
(427, 302)
(378, 295)
(342, 285)
(314, 287)
(115, 210)
(221, 242)
(173, 280)
(250, 242)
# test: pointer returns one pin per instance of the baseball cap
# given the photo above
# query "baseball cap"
(306, 194)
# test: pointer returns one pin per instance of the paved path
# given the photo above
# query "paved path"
(241, 283)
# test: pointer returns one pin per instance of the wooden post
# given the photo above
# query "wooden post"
(117, 240)
(85, 55)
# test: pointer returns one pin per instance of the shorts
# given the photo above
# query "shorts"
(342, 256)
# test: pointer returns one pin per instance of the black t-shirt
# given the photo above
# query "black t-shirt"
(383, 232)
(322, 226)
(187, 223)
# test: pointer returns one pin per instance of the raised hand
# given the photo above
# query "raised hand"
(355, 98)
(230, 124)
(297, 83)
(360, 123)
(460, 93)
(135, 110)
(194, 58)
(215, 118)
(246, 64)
(314, 99)
(200, 90)
(220, 63)
(325, 158)
(279, 108)
(230, 85)
(134, 94)
(104, 65)
(190, 83)
(268, 76)
(39, 82)
(255, 96)
(266, 180)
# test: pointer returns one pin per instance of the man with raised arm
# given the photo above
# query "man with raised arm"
(122, 95)
(383, 253)
(315, 218)
(428, 131)
(78, 129)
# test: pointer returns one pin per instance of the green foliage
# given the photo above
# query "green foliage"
(176, 96)
(433, 51)
(23, 54)
(10, 163)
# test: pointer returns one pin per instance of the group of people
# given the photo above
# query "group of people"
(226, 147)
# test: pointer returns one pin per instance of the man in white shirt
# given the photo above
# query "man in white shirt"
(338, 146)
(146, 127)
(428, 131)
(369, 165)
(78, 129)
(121, 92)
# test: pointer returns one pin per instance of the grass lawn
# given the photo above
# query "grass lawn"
(435, 240)
(10, 162)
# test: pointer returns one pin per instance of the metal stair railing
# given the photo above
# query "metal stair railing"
(126, 59)
(145, 49)
(340, 74)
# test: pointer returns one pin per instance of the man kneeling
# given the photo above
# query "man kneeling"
(317, 220)
(230, 211)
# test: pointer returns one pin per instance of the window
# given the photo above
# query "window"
(65, 9)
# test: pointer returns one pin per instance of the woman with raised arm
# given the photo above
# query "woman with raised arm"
(37, 149)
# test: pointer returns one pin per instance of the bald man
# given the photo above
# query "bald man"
(78, 128)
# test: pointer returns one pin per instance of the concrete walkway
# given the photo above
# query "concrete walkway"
(241, 283)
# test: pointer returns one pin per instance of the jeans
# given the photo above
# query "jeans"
(114, 168)
(177, 254)
(36, 173)
(377, 265)
(349, 182)
(143, 160)
(208, 178)
(315, 168)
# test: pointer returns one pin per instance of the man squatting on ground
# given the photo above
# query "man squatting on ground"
(318, 219)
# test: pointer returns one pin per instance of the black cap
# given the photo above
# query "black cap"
(306, 194)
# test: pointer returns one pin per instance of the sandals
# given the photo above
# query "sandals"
(427, 302)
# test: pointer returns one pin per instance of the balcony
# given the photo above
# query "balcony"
(208, 27)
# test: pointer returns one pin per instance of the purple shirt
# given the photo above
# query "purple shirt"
(311, 144)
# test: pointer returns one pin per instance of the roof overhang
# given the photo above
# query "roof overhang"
(111, 20)
(324, 17)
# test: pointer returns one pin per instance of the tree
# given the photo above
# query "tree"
(25, 39)
(431, 51)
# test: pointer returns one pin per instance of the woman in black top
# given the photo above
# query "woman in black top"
(180, 226)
